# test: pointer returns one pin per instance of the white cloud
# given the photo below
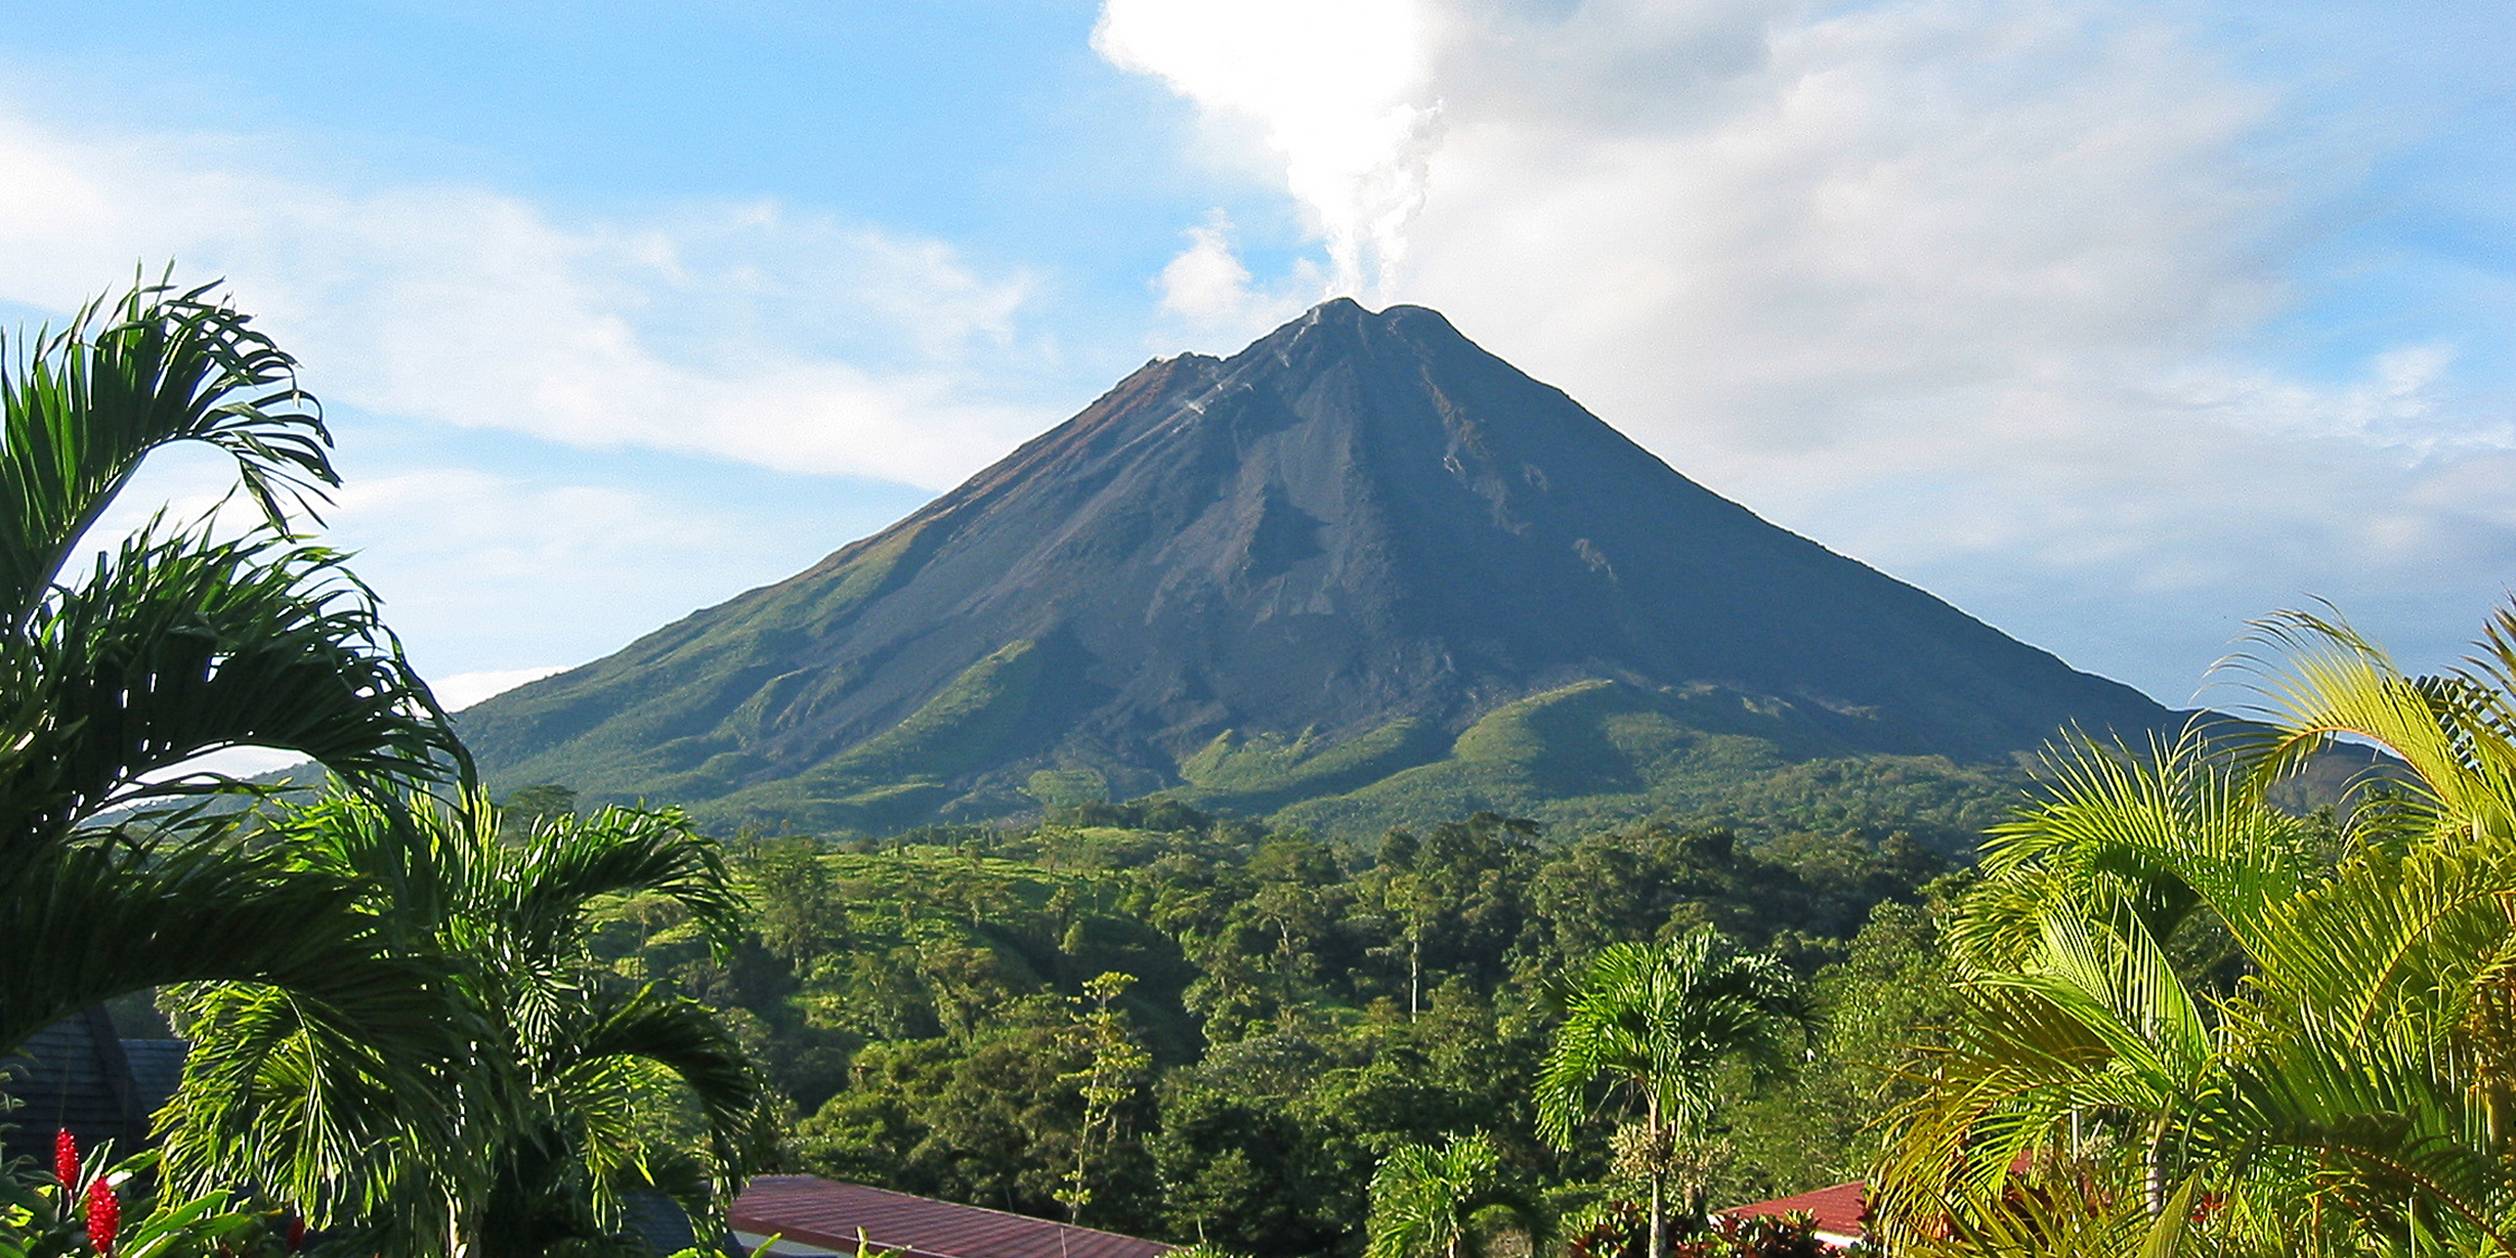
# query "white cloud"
(482, 572)
(1334, 87)
(738, 330)
(486, 573)
(1206, 283)
(457, 691)
(1207, 293)
(1975, 290)
(746, 332)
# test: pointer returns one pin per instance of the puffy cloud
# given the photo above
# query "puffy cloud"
(1333, 87)
(486, 573)
(1984, 292)
(458, 691)
(1206, 283)
(736, 330)
(466, 341)
(1208, 297)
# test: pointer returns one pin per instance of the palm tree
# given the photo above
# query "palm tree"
(1656, 1024)
(2351, 1090)
(1425, 1198)
(560, 1103)
(117, 672)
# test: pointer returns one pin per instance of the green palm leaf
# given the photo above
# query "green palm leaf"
(82, 407)
(179, 646)
(693, 1044)
(2317, 679)
(1424, 1197)
(115, 916)
(2351, 1092)
(525, 1142)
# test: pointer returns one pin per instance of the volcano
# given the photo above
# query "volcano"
(1361, 572)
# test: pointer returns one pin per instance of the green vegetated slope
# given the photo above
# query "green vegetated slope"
(1576, 757)
(698, 708)
(904, 772)
(1593, 754)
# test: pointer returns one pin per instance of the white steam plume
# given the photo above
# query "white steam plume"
(1340, 89)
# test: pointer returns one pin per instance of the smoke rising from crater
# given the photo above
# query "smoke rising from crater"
(1338, 90)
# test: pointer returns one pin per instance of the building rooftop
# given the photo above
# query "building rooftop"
(73, 1075)
(1837, 1210)
(814, 1215)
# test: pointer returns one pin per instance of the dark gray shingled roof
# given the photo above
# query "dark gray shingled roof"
(658, 1223)
(156, 1071)
(73, 1075)
(77, 1074)
(662, 1227)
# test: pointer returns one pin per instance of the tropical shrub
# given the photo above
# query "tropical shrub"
(96, 1207)
(579, 1085)
(1762, 1236)
(2339, 1083)
(1614, 1228)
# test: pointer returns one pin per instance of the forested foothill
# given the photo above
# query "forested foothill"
(1304, 1006)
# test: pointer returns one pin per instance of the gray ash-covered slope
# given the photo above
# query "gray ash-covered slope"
(1363, 560)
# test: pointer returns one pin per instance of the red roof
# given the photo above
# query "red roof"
(826, 1213)
(1837, 1209)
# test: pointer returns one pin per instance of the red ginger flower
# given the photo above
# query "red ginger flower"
(104, 1216)
(296, 1233)
(65, 1158)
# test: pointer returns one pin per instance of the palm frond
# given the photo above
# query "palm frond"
(694, 1044)
(284, 1096)
(2318, 679)
(2113, 979)
(2390, 939)
(567, 863)
(2060, 1220)
(114, 916)
(2164, 834)
(2351, 1092)
(180, 646)
(81, 407)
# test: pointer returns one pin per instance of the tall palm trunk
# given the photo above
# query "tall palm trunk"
(1662, 1020)
(1415, 975)
(2155, 1189)
(1659, 1183)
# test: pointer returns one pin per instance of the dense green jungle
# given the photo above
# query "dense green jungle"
(1304, 1006)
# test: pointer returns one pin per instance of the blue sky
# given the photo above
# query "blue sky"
(2113, 324)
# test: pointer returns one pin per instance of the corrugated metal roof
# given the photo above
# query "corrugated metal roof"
(1837, 1209)
(816, 1211)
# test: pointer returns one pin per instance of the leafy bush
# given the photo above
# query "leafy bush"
(113, 1210)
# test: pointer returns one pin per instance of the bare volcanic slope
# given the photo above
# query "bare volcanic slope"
(1361, 569)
